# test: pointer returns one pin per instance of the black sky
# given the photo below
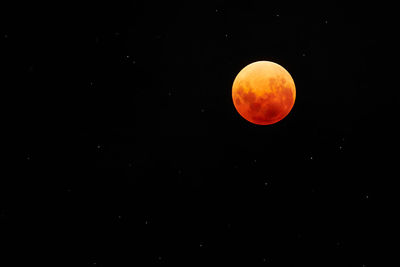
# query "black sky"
(130, 151)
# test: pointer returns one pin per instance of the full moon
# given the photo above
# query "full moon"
(263, 92)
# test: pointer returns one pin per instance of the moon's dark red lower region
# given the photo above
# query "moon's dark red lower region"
(263, 92)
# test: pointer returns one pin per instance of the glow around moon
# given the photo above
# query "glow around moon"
(263, 92)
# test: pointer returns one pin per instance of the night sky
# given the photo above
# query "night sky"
(130, 152)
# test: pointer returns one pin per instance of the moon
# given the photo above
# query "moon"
(263, 92)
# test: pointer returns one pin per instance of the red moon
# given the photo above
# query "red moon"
(263, 92)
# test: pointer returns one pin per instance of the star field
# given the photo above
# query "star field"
(130, 152)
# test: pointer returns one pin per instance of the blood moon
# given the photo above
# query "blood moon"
(263, 92)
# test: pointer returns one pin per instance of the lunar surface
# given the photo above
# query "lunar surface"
(263, 92)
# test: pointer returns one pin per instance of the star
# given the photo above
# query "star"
(299, 236)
